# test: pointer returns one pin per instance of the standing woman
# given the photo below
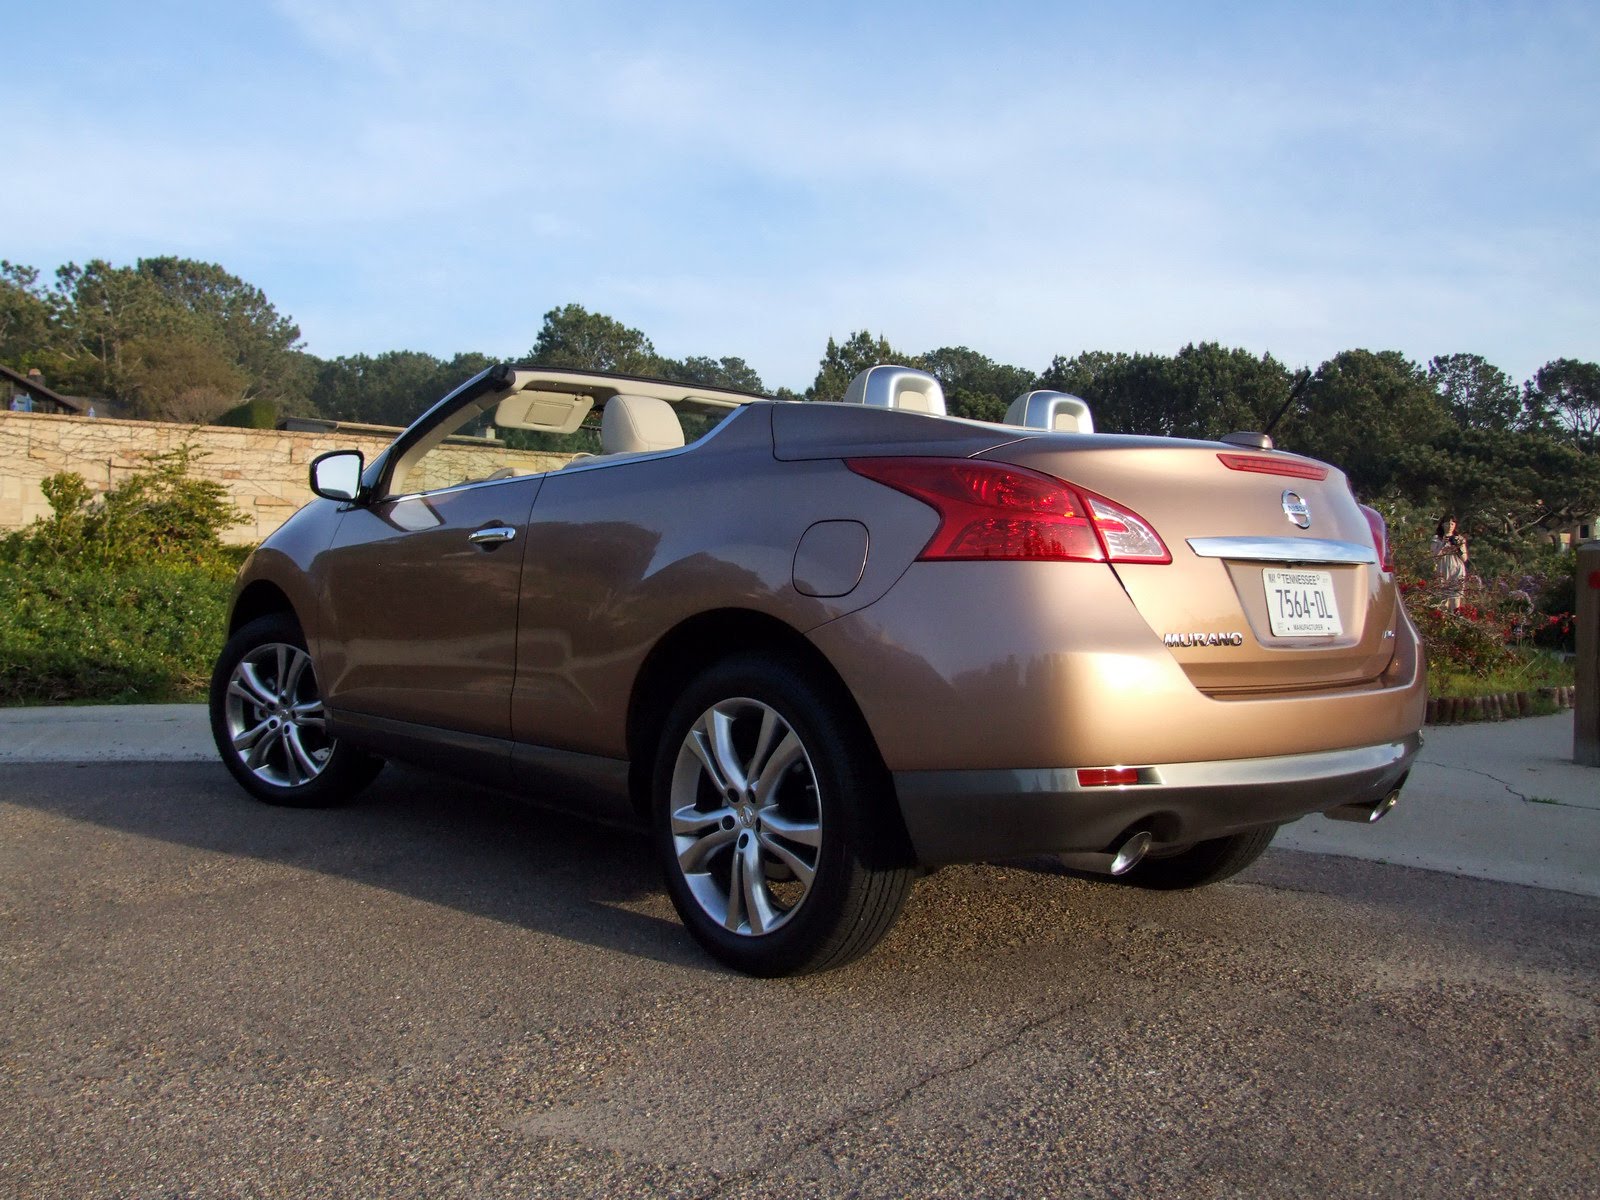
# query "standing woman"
(1450, 563)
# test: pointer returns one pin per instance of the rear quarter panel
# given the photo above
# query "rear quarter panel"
(619, 555)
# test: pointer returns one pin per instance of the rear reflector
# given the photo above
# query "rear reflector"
(1107, 776)
(998, 511)
(1294, 468)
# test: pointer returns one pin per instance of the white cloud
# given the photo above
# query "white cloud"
(746, 181)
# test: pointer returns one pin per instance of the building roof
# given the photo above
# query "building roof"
(38, 390)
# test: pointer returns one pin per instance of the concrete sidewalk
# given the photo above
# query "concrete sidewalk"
(1500, 801)
(1494, 801)
(106, 733)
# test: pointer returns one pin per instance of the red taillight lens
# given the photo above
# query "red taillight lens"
(997, 511)
(1260, 464)
(1107, 776)
(1380, 537)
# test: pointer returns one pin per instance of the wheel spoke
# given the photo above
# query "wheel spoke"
(788, 752)
(291, 678)
(283, 669)
(692, 858)
(803, 871)
(247, 685)
(700, 743)
(727, 755)
(690, 821)
(262, 747)
(243, 741)
(771, 723)
(806, 833)
(733, 917)
(309, 714)
(757, 904)
(308, 766)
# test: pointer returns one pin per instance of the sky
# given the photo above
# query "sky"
(1027, 179)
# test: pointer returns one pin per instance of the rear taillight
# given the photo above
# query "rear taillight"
(1380, 537)
(997, 511)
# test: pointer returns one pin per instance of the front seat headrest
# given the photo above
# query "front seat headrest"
(637, 425)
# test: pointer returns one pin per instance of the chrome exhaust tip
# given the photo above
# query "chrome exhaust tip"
(1366, 814)
(1119, 862)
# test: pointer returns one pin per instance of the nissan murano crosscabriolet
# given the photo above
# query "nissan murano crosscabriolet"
(820, 648)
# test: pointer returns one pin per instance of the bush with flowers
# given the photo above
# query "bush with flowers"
(1500, 639)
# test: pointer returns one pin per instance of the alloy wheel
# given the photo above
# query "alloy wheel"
(275, 718)
(746, 817)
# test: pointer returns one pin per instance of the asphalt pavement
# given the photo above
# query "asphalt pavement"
(1501, 801)
(442, 991)
(439, 991)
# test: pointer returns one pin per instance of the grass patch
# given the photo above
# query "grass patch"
(1528, 671)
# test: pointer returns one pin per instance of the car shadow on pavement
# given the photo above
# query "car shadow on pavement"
(434, 839)
(426, 836)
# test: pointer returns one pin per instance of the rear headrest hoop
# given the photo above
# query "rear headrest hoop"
(1058, 412)
(887, 386)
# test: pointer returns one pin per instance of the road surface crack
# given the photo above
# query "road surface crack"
(1495, 778)
(895, 1100)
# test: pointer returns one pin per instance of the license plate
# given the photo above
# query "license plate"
(1301, 604)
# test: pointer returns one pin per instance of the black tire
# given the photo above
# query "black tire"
(735, 859)
(265, 684)
(1202, 863)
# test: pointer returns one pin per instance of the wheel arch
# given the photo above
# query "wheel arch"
(680, 654)
(260, 598)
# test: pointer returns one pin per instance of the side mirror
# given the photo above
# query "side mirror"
(337, 474)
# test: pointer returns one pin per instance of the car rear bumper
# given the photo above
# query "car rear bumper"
(972, 816)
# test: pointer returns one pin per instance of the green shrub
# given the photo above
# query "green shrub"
(259, 413)
(121, 598)
(95, 631)
(159, 513)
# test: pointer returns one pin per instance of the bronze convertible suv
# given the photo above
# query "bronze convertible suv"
(820, 647)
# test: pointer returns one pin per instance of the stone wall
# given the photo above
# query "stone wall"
(264, 470)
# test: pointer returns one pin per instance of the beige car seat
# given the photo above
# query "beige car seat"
(638, 425)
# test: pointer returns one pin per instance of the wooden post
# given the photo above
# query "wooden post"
(1586, 699)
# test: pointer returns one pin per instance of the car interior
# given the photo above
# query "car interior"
(551, 423)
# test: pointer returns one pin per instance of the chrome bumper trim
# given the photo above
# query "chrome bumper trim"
(1283, 549)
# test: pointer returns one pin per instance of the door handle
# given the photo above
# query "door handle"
(491, 535)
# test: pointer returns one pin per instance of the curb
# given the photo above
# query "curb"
(1502, 706)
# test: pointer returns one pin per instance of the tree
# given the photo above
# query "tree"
(572, 336)
(103, 309)
(28, 317)
(1478, 394)
(1361, 410)
(842, 363)
(975, 386)
(393, 388)
(732, 373)
(1506, 486)
(1204, 391)
(180, 377)
(99, 330)
(237, 314)
(1226, 391)
(1568, 392)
